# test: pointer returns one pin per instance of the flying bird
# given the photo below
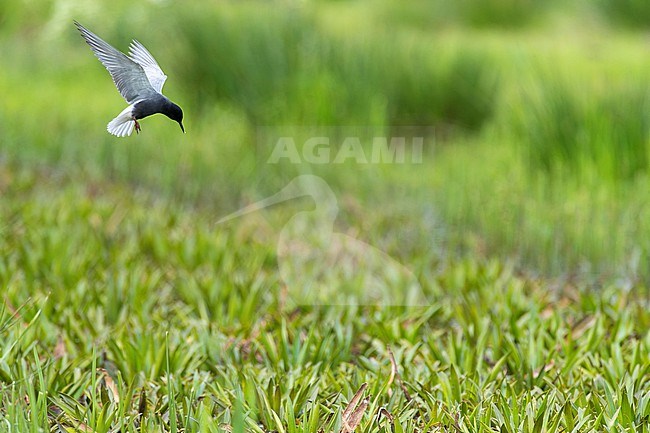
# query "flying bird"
(139, 80)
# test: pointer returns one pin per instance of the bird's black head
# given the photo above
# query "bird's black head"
(174, 112)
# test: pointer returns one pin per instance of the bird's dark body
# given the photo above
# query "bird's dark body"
(150, 106)
(157, 104)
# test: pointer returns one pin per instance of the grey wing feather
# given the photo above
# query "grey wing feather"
(139, 54)
(129, 77)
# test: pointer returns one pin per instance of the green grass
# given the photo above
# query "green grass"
(577, 124)
(282, 68)
(506, 13)
(125, 307)
(629, 13)
(124, 311)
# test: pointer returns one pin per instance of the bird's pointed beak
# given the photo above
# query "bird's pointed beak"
(182, 129)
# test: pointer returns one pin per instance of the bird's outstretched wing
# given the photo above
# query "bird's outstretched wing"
(139, 54)
(129, 76)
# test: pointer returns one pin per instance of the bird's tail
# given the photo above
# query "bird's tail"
(123, 124)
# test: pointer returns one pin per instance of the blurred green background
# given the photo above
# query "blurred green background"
(536, 115)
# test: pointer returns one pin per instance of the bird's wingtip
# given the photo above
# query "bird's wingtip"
(80, 27)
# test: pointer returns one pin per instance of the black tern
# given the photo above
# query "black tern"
(139, 80)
